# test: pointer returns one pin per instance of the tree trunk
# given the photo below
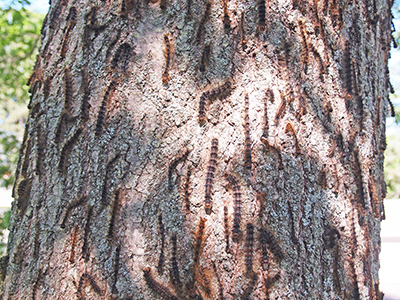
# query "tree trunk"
(209, 150)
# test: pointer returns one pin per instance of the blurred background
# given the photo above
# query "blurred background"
(20, 24)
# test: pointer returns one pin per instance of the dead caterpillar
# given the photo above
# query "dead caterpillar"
(226, 229)
(114, 290)
(173, 166)
(72, 15)
(281, 108)
(102, 111)
(162, 234)
(210, 176)
(248, 160)
(261, 14)
(304, 40)
(40, 150)
(376, 199)
(199, 239)
(73, 244)
(203, 22)
(71, 206)
(205, 57)
(187, 192)
(227, 21)
(266, 237)
(290, 129)
(237, 208)
(167, 54)
(174, 263)
(110, 164)
(121, 57)
(67, 149)
(249, 248)
(84, 278)
(249, 289)
(115, 208)
(85, 247)
(157, 287)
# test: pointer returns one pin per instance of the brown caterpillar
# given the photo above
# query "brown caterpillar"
(250, 287)
(187, 192)
(70, 206)
(114, 290)
(162, 234)
(84, 278)
(306, 48)
(85, 247)
(226, 229)
(211, 94)
(210, 176)
(227, 20)
(243, 40)
(167, 54)
(319, 59)
(72, 21)
(205, 58)
(40, 150)
(221, 288)
(202, 108)
(122, 56)
(248, 161)
(110, 164)
(173, 166)
(290, 129)
(237, 208)
(157, 287)
(174, 263)
(203, 277)
(266, 237)
(114, 211)
(261, 14)
(68, 88)
(85, 105)
(203, 22)
(102, 111)
(249, 248)
(73, 244)
(270, 281)
(67, 149)
(199, 239)
(281, 108)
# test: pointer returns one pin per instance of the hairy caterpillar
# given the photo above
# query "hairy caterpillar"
(25, 164)
(226, 229)
(210, 176)
(243, 40)
(227, 21)
(281, 108)
(102, 111)
(104, 194)
(40, 150)
(221, 288)
(266, 237)
(319, 59)
(114, 211)
(270, 281)
(157, 287)
(203, 22)
(114, 290)
(174, 263)
(237, 209)
(162, 234)
(248, 160)
(199, 239)
(249, 248)
(85, 106)
(392, 111)
(187, 192)
(84, 278)
(85, 246)
(68, 88)
(36, 245)
(173, 166)
(71, 19)
(167, 54)
(205, 57)
(73, 244)
(261, 14)
(210, 94)
(301, 110)
(249, 289)
(72, 205)
(304, 40)
(188, 9)
(290, 129)
(67, 149)
(122, 56)
(272, 148)
(37, 283)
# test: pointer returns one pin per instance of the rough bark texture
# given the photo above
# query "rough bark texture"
(209, 150)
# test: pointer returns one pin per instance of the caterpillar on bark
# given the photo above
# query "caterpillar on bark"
(226, 229)
(249, 248)
(86, 277)
(114, 290)
(261, 14)
(211, 94)
(85, 246)
(156, 287)
(67, 149)
(250, 287)
(70, 206)
(199, 239)
(281, 108)
(237, 208)
(85, 105)
(187, 192)
(210, 176)
(167, 54)
(227, 21)
(114, 211)
(306, 48)
(73, 244)
(122, 57)
(174, 263)
(162, 234)
(205, 58)
(173, 166)
(203, 21)
(290, 129)
(104, 194)
(270, 281)
(100, 117)
(41, 145)
(266, 237)
(248, 159)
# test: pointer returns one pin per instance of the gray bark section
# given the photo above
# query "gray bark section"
(314, 190)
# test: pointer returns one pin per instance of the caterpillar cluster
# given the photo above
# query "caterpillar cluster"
(70, 206)
(290, 129)
(86, 277)
(162, 234)
(73, 244)
(199, 239)
(187, 192)
(237, 208)
(114, 211)
(210, 94)
(174, 263)
(249, 248)
(248, 160)
(203, 21)
(102, 111)
(110, 164)
(67, 149)
(157, 287)
(267, 237)
(173, 166)
(40, 150)
(210, 176)
(122, 57)
(226, 228)
(85, 246)
(227, 20)
(205, 58)
(304, 40)
(114, 290)
(167, 54)
(261, 14)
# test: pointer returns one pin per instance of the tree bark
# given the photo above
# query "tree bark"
(209, 150)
